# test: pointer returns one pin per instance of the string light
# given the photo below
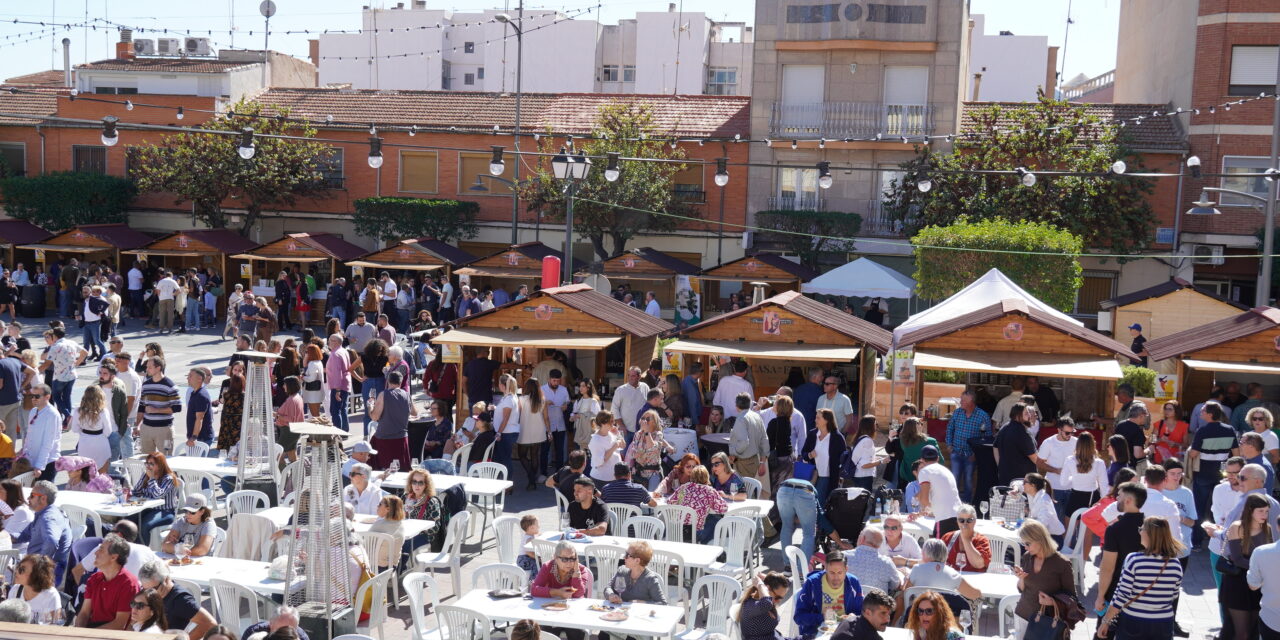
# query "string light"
(924, 184)
(824, 174)
(1119, 167)
(109, 135)
(496, 165)
(722, 172)
(1193, 163)
(375, 152)
(128, 105)
(181, 113)
(246, 148)
(1027, 178)
(611, 170)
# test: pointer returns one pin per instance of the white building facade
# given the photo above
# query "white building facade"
(1004, 67)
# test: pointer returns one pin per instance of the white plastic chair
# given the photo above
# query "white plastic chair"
(461, 457)
(415, 584)
(191, 587)
(457, 623)
(230, 598)
(719, 593)
(1004, 615)
(290, 480)
(356, 636)
(487, 506)
(488, 452)
(509, 538)
(619, 513)
(736, 535)
(663, 563)
(562, 507)
(643, 528)
(26, 479)
(543, 550)
(1074, 547)
(384, 550)
(246, 501)
(499, 576)
(1000, 549)
(450, 557)
(135, 468)
(78, 519)
(607, 558)
(753, 486)
(199, 450)
(377, 585)
(201, 482)
(675, 517)
(799, 569)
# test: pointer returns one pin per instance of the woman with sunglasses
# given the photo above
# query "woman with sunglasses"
(564, 577)
(725, 480)
(33, 582)
(421, 503)
(391, 522)
(159, 482)
(147, 612)
(635, 582)
(930, 618)
(1043, 574)
(758, 613)
(1260, 420)
(648, 449)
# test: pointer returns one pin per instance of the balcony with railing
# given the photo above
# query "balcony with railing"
(797, 202)
(838, 120)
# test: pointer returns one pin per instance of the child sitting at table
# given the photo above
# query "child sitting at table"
(527, 561)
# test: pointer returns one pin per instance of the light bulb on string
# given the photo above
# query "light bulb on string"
(496, 165)
(1028, 179)
(1193, 163)
(824, 174)
(612, 171)
(246, 148)
(925, 183)
(1119, 167)
(722, 172)
(413, 130)
(128, 105)
(109, 134)
(180, 115)
(375, 152)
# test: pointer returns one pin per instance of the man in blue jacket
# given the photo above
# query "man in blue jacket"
(833, 588)
(49, 533)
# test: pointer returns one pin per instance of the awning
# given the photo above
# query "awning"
(65, 248)
(1015, 363)
(496, 273)
(746, 278)
(250, 256)
(394, 265)
(765, 350)
(489, 337)
(1233, 367)
(169, 252)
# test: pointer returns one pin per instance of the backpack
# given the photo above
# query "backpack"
(847, 467)
(452, 500)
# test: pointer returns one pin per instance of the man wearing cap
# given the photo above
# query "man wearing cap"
(938, 493)
(195, 528)
(587, 512)
(360, 453)
(1138, 346)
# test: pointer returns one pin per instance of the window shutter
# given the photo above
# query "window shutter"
(1253, 65)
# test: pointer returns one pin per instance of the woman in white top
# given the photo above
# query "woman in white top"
(606, 448)
(22, 514)
(533, 432)
(1040, 505)
(94, 424)
(313, 379)
(33, 582)
(863, 456)
(233, 303)
(1084, 474)
(506, 421)
(902, 549)
(584, 413)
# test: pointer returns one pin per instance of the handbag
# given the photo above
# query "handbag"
(1226, 567)
(1045, 627)
(312, 385)
(803, 470)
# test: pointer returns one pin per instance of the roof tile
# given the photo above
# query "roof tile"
(50, 78)
(38, 103)
(165, 65)
(1153, 133)
(1215, 333)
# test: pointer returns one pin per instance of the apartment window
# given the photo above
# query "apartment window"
(628, 73)
(418, 171)
(468, 78)
(468, 47)
(330, 167)
(722, 81)
(609, 73)
(1253, 70)
(13, 159)
(116, 90)
(797, 189)
(473, 165)
(687, 184)
(1098, 286)
(480, 73)
(89, 159)
(1255, 184)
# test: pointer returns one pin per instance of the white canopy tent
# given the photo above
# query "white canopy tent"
(992, 288)
(862, 278)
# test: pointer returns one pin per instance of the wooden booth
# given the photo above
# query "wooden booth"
(13, 235)
(87, 243)
(648, 269)
(788, 330)
(567, 318)
(195, 248)
(323, 255)
(519, 264)
(1243, 348)
(779, 273)
(1165, 309)
(418, 254)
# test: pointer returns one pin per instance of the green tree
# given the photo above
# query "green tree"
(1046, 135)
(400, 218)
(59, 201)
(205, 169)
(641, 187)
(1054, 279)
(812, 232)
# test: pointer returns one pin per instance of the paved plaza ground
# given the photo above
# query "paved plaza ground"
(1197, 610)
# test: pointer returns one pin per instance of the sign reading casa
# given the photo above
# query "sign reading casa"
(854, 12)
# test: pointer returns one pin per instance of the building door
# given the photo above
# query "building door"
(803, 90)
(906, 99)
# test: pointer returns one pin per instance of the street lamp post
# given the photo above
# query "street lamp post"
(515, 134)
(1204, 206)
(570, 170)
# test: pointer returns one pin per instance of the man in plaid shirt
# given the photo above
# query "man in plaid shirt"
(967, 422)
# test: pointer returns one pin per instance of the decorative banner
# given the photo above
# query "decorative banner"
(291, 245)
(451, 353)
(671, 362)
(543, 312)
(183, 242)
(904, 366)
(1013, 331)
(39, 255)
(246, 270)
(752, 265)
(771, 324)
(1166, 386)
(357, 272)
(513, 258)
(688, 306)
(629, 262)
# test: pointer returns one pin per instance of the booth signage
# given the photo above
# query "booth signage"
(513, 258)
(246, 270)
(671, 362)
(1166, 386)
(543, 311)
(771, 323)
(183, 242)
(688, 311)
(451, 353)
(39, 255)
(1013, 331)
(752, 265)
(904, 367)
(629, 262)
(357, 272)
(291, 246)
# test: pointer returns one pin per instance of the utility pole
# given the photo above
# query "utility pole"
(1273, 191)
(267, 9)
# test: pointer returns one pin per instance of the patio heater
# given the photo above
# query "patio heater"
(256, 463)
(319, 557)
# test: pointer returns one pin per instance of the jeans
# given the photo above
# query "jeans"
(338, 408)
(824, 487)
(370, 385)
(126, 443)
(1061, 499)
(502, 448)
(1201, 493)
(153, 519)
(1131, 628)
(64, 302)
(192, 320)
(340, 312)
(62, 396)
(93, 338)
(114, 439)
(136, 306)
(796, 502)
(962, 469)
(708, 530)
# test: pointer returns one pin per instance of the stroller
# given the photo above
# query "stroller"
(846, 509)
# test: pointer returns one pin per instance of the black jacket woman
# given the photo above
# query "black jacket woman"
(824, 447)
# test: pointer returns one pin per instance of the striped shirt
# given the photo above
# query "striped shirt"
(1140, 571)
(162, 488)
(155, 398)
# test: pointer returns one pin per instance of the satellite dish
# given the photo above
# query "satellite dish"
(598, 282)
(267, 8)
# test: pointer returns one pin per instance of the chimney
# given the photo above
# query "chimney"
(66, 62)
(124, 48)
(977, 86)
(671, 7)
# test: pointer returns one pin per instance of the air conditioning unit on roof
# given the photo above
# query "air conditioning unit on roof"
(144, 47)
(168, 46)
(1207, 254)
(198, 47)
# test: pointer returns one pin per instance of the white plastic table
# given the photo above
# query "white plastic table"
(249, 573)
(279, 516)
(684, 440)
(648, 620)
(763, 505)
(474, 486)
(220, 467)
(103, 504)
(923, 527)
(993, 586)
(696, 556)
(899, 633)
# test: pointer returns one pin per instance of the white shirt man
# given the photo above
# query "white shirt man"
(20, 276)
(651, 306)
(556, 397)
(837, 402)
(729, 388)
(937, 486)
(1001, 414)
(1053, 453)
(166, 288)
(628, 398)
(135, 279)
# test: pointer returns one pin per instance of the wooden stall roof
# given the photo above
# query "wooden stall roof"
(197, 242)
(571, 309)
(19, 232)
(765, 267)
(647, 264)
(819, 324)
(1163, 289)
(1214, 334)
(88, 238)
(418, 253)
(987, 329)
(19, 631)
(517, 261)
(305, 247)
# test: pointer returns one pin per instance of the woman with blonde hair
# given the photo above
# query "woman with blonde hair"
(1150, 581)
(1043, 573)
(94, 424)
(233, 303)
(1261, 421)
(535, 431)
(930, 618)
(506, 422)
(605, 448)
(647, 449)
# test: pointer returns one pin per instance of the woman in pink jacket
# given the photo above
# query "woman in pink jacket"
(563, 578)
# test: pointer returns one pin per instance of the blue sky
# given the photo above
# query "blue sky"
(1091, 46)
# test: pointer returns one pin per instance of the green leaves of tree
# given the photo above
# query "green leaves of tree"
(400, 218)
(838, 229)
(60, 201)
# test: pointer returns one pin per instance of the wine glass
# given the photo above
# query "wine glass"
(966, 620)
(181, 551)
(984, 507)
(395, 465)
(961, 560)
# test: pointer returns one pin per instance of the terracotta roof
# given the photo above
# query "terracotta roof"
(224, 240)
(330, 244)
(36, 103)
(18, 232)
(165, 65)
(1154, 133)
(1215, 333)
(817, 312)
(711, 116)
(1162, 289)
(667, 261)
(50, 78)
(120, 235)
(591, 302)
(1005, 307)
(444, 250)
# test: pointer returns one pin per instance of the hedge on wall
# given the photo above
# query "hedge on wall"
(399, 218)
(62, 200)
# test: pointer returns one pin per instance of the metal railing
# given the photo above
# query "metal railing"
(836, 120)
(800, 202)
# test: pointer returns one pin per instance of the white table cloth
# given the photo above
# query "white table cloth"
(646, 619)
(684, 440)
(696, 556)
(103, 504)
(249, 573)
(217, 466)
(473, 486)
(280, 517)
